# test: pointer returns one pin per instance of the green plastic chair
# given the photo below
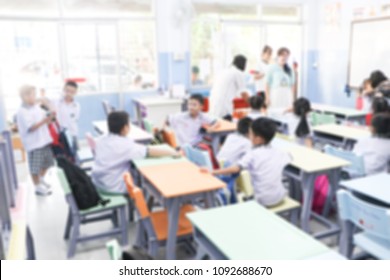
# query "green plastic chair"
(113, 210)
(322, 118)
(114, 249)
(148, 125)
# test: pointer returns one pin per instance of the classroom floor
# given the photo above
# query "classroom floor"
(47, 216)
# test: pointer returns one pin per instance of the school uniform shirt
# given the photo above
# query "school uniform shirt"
(112, 159)
(68, 115)
(234, 148)
(255, 115)
(229, 85)
(187, 128)
(280, 86)
(27, 117)
(292, 122)
(263, 69)
(265, 165)
(376, 154)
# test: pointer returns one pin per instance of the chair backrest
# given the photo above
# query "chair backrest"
(129, 182)
(197, 156)
(369, 217)
(63, 181)
(356, 168)
(148, 126)
(114, 249)
(169, 137)
(322, 118)
(205, 104)
(91, 142)
(244, 183)
(137, 196)
(107, 107)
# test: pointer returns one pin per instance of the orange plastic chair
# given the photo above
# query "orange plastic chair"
(154, 225)
(240, 103)
(169, 137)
(205, 105)
(239, 114)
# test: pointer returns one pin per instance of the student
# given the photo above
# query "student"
(115, 151)
(376, 149)
(236, 144)
(298, 124)
(380, 105)
(264, 163)
(280, 81)
(195, 80)
(259, 76)
(257, 104)
(188, 125)
(33, 123)
(229, 85)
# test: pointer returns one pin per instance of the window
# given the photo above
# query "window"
(29, 7)
(221, 31)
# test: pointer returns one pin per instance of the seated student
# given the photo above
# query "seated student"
(264, 163)
(380, 105)
(297, 121)
(187, 125)
(114, 152)
(257, 104)
(376, 149)
(33, 128)
(236, 144)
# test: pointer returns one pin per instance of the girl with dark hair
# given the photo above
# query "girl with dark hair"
(297, 120)
(259, 75)
(280, 82)
(228, 86)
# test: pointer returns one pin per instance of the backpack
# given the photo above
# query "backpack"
(321, 188)
(83, 189)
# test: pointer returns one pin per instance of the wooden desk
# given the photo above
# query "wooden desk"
(340, 135)
(248, 231)
(175, 183)
(137, 134)
(224, 128)
(157, 108)
(306, 165)
(342, 114)
(374, 186)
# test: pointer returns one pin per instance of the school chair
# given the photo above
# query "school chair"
(356, 167)
(91, 142)
(82, 155)
(107, 107)
(205, 105)
(198, 157)
(148, 126)
(322, 118)
(153, 226)
(239, 103)
(111, 211)
(371, 219)
(169, 137)
(114, 249)
(287, 206)
(18, 146)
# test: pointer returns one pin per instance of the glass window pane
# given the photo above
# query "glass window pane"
(138, 62)
(99, 8)
(29, 7)
(231, 11)
(29, 53)
(281, 13)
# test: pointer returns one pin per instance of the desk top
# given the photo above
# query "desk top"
(136, 133)
(375, 186)
(180, 178)
(347, 112)
(343, 131)
(248, 231)
(157, 100)
(307, 159)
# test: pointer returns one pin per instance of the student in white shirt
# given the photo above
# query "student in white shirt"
(187, 125)
(264, 163)
(257, 105)
(259, 75)
(229, 85)
(298, 123)
(380, 105)
(33, 123)
(376, 149)
(236, 144)
(115, 151)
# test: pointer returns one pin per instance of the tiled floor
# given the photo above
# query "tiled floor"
(47, 216)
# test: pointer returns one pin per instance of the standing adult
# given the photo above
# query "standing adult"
(280, 82)
(229, 85)
(259, 75)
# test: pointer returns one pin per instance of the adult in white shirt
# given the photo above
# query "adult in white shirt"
(228, 86)
(259, 75)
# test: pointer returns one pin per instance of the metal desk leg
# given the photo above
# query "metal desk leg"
(215, 143)
(30, 244)
(308, 190)
(334, 178)
(210, 199)
(173, 206)
(346, 236)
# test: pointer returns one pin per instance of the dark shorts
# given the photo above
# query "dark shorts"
(40, 159)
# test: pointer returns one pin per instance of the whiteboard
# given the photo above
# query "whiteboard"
(369, 49)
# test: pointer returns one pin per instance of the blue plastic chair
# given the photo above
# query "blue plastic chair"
(356, 168)
(373, 220)
(198, 157)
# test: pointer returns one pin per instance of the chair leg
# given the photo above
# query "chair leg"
(30, 245)
(74, 235)
(123, 225)
(153, 249)
(294, 216)
(114, 218)
(68, 225)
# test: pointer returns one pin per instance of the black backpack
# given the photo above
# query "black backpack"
(81, 185)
